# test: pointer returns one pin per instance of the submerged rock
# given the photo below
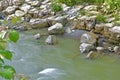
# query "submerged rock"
(91, 55)
(51, 40)
(37, 36)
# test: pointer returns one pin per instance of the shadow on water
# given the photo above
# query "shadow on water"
(33, 56)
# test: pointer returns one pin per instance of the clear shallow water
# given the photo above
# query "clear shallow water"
(33, 56)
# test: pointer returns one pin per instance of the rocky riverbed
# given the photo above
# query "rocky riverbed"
(36, 14)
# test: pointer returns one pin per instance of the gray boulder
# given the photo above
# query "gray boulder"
(51, 40)
(38, 23)
(56, 29)
(89, 38)
(85, 47)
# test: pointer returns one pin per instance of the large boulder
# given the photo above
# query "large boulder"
(38, 23)
(85, 47)
(56, 29)
(89, 38)
(51, 40)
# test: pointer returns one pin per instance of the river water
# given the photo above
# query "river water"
(60, 62)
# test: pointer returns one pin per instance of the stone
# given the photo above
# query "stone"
(4, 4)
(37, 36)
(2, 15)
(116, 49)
(90, 8)
(38, 23)
(45, 2)
(85, 47)
(20, 28)
(61, 19)
(89, 38)
(18, 2)
(65, 7)
(100, 49)
(106, 31)
(79, 24)
(110, 49)
(10, 9)
(56, 29)
(115, 29)
(90, 23)
(91, 55)
(44, 13)
(68, 30)
(51, 40)
(35, 3)
(19, 13)
(93, 12)
(114, 34)
(99, 28)
(25, 7)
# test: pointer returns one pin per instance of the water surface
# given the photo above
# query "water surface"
(33, 56)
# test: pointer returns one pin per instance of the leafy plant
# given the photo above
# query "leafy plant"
(101, 18)
(6, 71)
(56, 7)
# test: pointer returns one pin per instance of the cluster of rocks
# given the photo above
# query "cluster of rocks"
(37, 14)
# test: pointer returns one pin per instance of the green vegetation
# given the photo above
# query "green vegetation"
(74, 2)
(101, 18)
(6, 71)
(82, 12)
(56, 7)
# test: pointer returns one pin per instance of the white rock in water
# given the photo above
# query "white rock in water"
(47, 71)
(37, 36)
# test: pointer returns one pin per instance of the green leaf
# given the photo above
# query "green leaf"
(13, 35)
(3, 45)
(1, 61)
(7, 72)
(6, 54)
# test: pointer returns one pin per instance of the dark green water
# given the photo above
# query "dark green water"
(32, 56)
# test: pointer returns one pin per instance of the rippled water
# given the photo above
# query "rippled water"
(60, 62)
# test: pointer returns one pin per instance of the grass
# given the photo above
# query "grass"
(101, 18)
(56, 7)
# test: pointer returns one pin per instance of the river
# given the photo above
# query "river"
(60, 62)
